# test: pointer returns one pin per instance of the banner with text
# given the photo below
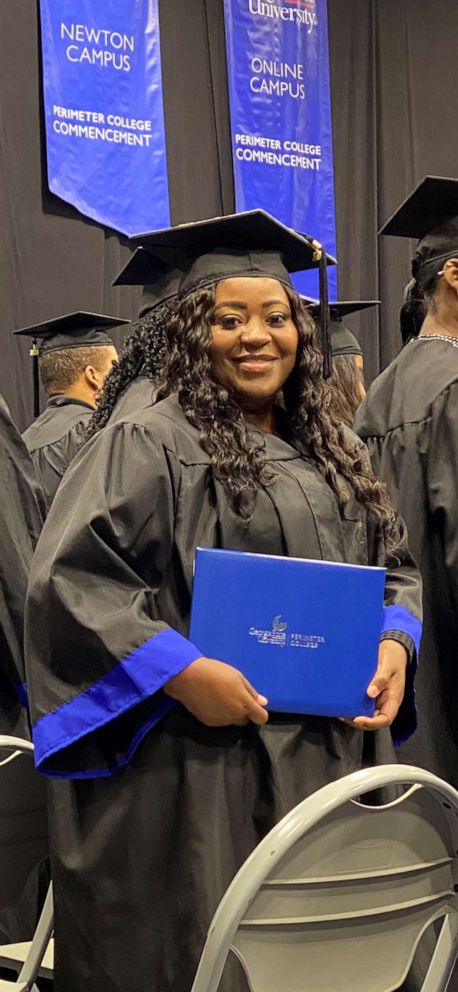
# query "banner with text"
(280, 104)
(104, 113)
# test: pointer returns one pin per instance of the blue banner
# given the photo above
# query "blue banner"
(280, 104)
(104, 114)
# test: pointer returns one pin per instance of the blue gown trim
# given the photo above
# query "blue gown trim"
(132, 680)
(397, 617)
(22, 694)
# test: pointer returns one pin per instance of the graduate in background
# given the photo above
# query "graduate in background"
(132, 383)
(74, 357)
(23, 829)
(410, 424)
(156, 805)
(22, 511)
(347, 380)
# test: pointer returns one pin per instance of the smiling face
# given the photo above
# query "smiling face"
(255, 340)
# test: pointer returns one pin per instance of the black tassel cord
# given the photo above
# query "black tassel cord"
(324, 321)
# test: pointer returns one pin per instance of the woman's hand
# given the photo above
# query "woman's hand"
(217, 694)
(387, 686)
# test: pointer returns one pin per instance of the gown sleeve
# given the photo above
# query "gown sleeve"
(21, 509)
(98, 653)
(403, 607)
(402, 616)
(442, 478)
(52, 460)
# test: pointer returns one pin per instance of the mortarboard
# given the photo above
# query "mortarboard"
(72, 330)
(252, 243)
(160, 274)
(343, 341)
(429, 214)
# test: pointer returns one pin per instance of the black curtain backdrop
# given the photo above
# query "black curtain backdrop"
(392, 71)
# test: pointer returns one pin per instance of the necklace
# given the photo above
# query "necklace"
(438, 337)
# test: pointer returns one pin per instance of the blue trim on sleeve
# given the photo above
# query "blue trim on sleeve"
(86, 773)
(134, 679)
(22, 694)
(399, 618)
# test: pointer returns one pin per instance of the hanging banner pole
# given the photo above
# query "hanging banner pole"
(104, 114)
(280, 106)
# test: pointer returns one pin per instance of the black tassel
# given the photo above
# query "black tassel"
(324, 320)
(36, 379)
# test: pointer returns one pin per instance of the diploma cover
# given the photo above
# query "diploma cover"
(304, 633)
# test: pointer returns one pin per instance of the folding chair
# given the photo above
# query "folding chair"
(338, 895)
(27, 958)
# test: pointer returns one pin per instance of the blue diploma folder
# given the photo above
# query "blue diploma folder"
(304, 633)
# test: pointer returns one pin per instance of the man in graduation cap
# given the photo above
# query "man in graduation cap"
(156, 805)
(347, 380)
(410, 424)
(75, 356)
(132, 383)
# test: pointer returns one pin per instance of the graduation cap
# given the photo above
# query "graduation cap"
(429, 214)
(72, 330)
(252, 243)
(343, 341)
(160, 274)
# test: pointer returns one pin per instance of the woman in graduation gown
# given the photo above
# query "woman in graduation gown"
(347, 380)
(410, 424)
(166, 771)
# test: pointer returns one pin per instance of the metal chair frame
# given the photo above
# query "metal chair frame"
(25, 981)
(260, 866)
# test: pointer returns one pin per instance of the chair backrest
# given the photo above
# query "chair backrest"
(338, 895)
(11, 750)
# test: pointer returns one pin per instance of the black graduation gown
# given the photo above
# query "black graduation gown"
(23, 840)
(410, 424)
(54, 438)
(140, 393)
(142, 856)
(21, 514)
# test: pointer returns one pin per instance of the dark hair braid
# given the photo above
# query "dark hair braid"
(420, 296)
(413, 311)
(143, 352)
(240, 463)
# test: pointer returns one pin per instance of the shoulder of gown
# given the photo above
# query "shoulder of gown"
(408, 389)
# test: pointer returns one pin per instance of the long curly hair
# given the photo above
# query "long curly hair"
(143, 353)
(346, 385)
(239, 462)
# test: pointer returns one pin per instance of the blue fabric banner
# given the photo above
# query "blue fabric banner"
(279, 93)
(104, 114)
